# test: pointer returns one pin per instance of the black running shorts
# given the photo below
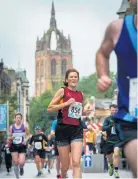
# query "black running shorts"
(128, 132)
(66, 134)
(19, 148)
(40, 153)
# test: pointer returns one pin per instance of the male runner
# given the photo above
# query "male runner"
(111, 146)
(39, 140)
(18, 144)
(121, 36)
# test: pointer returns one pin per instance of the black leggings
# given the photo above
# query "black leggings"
(8, 161)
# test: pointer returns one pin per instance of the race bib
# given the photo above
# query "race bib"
(53, 152)
(75, 110)
(17, 140)
(38, 145)
(113, 130)
(48, 149)
(7, 151)
(133, 93)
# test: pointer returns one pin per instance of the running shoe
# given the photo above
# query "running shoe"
(111, 170)
(116, 174)
(38, 174)
(59, 176)
(21, 171)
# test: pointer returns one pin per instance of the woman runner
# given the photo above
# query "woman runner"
(68, 101)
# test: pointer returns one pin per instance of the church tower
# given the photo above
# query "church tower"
(53, 57)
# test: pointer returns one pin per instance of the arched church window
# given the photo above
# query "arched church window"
(53, 67)
(63, 67)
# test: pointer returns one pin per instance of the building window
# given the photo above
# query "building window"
(27, 97)
(53, 67)
(63, 67)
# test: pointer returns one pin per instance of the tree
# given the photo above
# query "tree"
(39, 114)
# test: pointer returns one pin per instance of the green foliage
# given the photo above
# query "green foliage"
(39, 114)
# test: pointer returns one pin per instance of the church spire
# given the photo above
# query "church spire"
(53, 10)
(53, 24)
(69, 38)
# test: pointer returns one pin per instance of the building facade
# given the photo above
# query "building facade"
(20, 86)
(5, 81)
(53, 57)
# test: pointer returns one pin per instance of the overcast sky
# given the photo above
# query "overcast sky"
(21, 21)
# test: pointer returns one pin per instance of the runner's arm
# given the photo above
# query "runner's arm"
(85, 129)
(103, 54)
(45, 138)
(10, 137)
(88, 108)
(27, 131)
(53, 127)
(54, 104)
(31, 140)
(52, 132)
(27, 134)
(106, 125)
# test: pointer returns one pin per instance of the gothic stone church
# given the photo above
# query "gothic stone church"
(53, 57)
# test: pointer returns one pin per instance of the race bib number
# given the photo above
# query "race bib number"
(133, 93)
(17, 140)
(38, 145)
(75, 110)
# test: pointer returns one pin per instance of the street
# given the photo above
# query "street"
(30, 172)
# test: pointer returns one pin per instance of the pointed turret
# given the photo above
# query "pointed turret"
(69, 38)
(53, 24)
(123, 8)
(37, 43)
(53, 10)
(1, 65)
